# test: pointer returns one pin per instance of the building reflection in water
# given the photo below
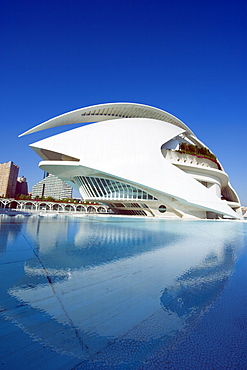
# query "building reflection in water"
(196, 289)
(8, 232)
(109, 283)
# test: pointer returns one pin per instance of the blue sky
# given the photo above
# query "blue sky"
(184, 56)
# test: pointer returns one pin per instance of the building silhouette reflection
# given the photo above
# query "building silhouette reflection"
(106, 284)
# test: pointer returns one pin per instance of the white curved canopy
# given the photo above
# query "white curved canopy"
(109, 111)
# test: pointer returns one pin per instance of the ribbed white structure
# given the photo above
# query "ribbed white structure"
(130, 161)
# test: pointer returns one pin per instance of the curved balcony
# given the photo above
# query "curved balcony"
(200, 168)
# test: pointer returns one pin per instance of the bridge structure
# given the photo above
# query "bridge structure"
(31, 205)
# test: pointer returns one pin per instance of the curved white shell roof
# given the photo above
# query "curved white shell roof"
(106, 112)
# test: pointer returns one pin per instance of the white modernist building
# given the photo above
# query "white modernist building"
(130, 157)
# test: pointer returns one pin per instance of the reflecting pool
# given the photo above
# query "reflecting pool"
(98, 292)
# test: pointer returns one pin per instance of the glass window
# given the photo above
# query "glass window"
(162, 208)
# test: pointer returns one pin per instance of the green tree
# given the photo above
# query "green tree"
(50, 199)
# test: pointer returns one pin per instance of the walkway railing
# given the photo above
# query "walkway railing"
(47, 206)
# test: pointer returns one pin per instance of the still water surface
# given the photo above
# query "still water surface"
(122, 293)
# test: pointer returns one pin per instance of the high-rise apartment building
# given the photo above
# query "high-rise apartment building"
(52, 186)
(8, 179)
(21, 186)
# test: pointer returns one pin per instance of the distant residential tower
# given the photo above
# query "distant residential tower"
(52, 186)
(21, 186)
(8, 179)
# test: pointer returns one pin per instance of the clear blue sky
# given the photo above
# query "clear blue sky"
(187, 57)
